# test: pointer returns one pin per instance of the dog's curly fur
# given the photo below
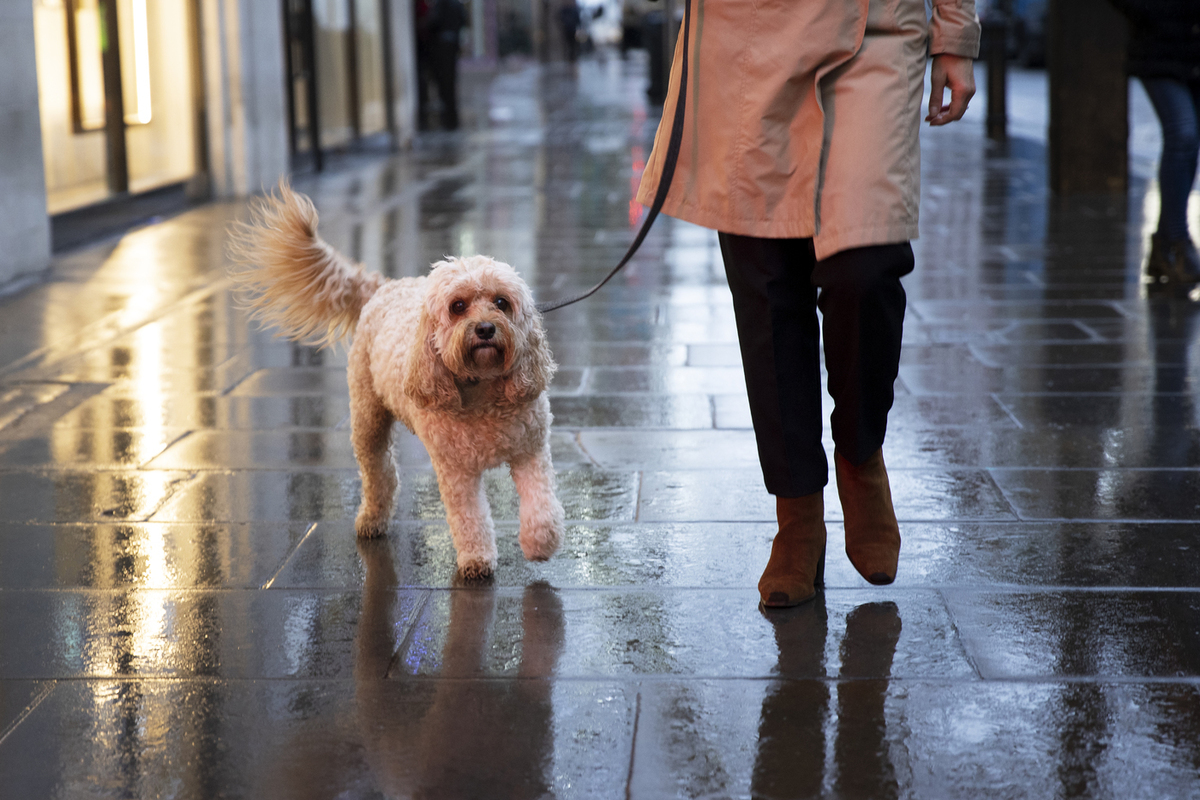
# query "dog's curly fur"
(459, 356)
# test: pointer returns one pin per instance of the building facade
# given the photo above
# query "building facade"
(107, 100)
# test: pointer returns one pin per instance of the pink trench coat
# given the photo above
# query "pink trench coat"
(802, 117)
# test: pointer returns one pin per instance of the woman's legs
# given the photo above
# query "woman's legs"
(776, 308)
(775, 304)
(863, 304)
(775, 283)
(1176, 103)
(1173, 256)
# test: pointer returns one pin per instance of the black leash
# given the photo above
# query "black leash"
(664, 181)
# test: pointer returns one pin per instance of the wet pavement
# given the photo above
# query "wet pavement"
(185, 611)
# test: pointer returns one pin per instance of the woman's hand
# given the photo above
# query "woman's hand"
(958, 74)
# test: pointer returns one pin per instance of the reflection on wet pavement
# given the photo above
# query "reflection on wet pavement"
(186, 611)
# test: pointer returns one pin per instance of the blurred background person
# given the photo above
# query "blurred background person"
(439, 23)
(569, 20)
(1164, 53)
(421, 9)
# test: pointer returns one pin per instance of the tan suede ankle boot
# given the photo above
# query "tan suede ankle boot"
(797, 566)
(872, 533)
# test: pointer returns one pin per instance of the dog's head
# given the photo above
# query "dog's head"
(478, 324)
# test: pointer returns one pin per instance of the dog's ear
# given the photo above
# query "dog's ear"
(427, 381)
(534, 369)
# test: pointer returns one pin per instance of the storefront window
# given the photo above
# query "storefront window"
(369, 40)
(81, 149)
(348, 51)
(84, 40)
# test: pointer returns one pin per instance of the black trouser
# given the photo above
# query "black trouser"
(775, 285)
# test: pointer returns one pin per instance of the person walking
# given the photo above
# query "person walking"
(799, 146)
(1164, 53)
(442, 22)
(569, 20)
(421, 13)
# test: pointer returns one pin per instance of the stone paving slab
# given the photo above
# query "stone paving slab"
(166, 556)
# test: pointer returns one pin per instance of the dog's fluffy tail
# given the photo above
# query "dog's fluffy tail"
(293, 279)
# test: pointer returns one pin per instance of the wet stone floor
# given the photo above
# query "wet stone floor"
(185, 611)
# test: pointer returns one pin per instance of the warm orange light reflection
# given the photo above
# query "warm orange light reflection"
(636, 209)
(638, 153)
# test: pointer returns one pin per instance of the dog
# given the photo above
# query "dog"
(459, 356)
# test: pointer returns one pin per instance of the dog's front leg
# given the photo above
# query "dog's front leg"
(541, 513)
(371, 435)
(470, 520)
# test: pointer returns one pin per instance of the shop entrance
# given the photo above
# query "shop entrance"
(117, 94)
(338, 60)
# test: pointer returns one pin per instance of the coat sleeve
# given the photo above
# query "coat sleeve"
(954, 28)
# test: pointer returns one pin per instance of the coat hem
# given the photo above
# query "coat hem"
(827, 243)
(721, 221)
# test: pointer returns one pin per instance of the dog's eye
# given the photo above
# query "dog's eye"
(458, 307)
(503, 304)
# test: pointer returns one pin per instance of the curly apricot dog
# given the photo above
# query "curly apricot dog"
(459, 356)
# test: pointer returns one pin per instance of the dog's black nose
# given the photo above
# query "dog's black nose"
(485, 330)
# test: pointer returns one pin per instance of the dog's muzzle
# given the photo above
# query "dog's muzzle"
(485, 350)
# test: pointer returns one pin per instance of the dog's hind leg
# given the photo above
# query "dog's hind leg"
(541, 513)
(371, 435)
(470, 521)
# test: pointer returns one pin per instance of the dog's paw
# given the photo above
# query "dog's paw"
(369, 527)
(540, 542)
(476, 569)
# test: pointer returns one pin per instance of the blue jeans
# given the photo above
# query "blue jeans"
(1178, 107)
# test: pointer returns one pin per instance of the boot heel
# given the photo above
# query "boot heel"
(819, 580)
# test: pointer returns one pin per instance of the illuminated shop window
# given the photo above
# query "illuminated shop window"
(135, 61)
(87, 40)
